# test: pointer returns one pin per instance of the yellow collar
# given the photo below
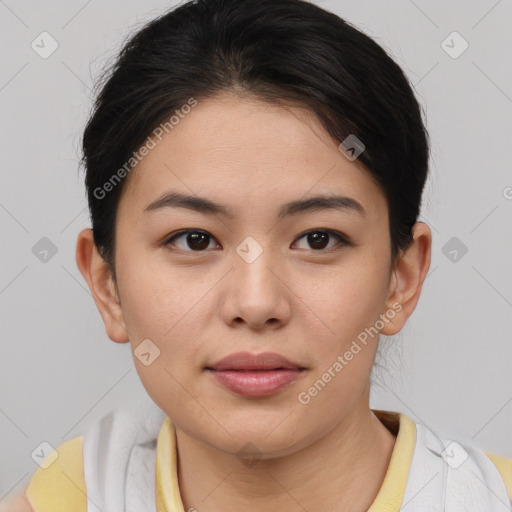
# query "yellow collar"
(389, 499)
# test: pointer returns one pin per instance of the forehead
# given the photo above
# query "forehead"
(247, 153)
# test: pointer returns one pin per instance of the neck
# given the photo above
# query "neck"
(342, 470)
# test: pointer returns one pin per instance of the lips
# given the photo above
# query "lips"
(255, 375)
(245, 361)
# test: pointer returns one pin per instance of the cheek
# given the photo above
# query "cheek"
(348, 297)
(163, 305)
(349, 302)
(161, 309)
(154, 297)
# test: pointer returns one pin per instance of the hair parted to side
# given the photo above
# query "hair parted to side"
(278, 51)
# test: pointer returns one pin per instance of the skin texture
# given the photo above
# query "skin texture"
(17, 503)
(304, 303)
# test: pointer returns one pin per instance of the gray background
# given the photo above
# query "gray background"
(448, 369)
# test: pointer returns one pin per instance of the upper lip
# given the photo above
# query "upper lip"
(248, 361)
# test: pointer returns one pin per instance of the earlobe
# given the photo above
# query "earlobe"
(96, 272)
(408, 277)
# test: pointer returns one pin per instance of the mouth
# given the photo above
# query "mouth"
(245, 361)
(255, 375)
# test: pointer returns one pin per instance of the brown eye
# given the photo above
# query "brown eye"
(319, 239)
(192, 240)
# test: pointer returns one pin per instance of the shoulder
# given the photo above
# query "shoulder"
(469, 474)
(116, 447)
(18, 503)
(504, 466)
(59, 482)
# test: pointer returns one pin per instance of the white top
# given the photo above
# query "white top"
(122, 450)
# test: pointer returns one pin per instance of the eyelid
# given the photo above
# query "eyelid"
(168, 240)
(344, 239)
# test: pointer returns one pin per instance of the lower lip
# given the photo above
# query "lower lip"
(256, 383)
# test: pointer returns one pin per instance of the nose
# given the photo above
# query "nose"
(258, 295)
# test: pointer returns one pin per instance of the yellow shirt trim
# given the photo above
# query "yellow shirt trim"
(392, 491)
(389, 498)
(167, 492)
(62, 482)
(504, 466)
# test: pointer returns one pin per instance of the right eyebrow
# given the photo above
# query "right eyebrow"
(198, 204)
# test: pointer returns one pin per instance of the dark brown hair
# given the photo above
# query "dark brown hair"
(278, 51)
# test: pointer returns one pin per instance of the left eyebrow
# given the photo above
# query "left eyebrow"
(208, 207)
(319, 203)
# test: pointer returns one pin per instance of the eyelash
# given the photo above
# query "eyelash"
(342, 239)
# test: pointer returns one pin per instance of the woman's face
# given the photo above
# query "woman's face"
(255, 281)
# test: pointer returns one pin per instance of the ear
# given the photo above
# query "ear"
(96, 272)
(407, 278)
